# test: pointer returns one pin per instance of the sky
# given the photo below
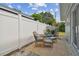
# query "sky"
(30, 8)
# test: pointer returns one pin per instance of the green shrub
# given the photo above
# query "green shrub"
(62, 27)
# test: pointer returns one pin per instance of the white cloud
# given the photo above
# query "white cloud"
(34, 8)
(57, 4)
(37, 5)
(52, 11)
(30, 5)
(9, 5)
(41, 4)
(56, 10)
(44, 11)
(39, 11)
(26, 12)
(18, 6)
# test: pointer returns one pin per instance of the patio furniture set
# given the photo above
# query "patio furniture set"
(44, 39)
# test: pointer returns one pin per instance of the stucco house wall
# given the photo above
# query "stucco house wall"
(67, 13)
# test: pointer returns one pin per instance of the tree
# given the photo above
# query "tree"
(51, 21)
(36, 17)
(44, 17)
(62, 27)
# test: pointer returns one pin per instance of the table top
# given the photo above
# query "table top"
(43, 35)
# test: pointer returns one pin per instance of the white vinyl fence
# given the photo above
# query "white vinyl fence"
(16, 31)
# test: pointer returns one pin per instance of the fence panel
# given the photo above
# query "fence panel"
(8, 32)
(26, 31)
(16, 32)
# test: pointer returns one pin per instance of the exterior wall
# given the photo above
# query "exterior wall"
(64, 9)
(67, 14)
(67, 29)
(16, 31)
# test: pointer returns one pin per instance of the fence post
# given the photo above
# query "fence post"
(19, 22)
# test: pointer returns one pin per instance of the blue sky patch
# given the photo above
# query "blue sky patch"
(30, 8)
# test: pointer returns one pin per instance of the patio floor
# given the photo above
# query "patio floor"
(59, 49)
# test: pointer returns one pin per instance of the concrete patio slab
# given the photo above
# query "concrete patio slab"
(59, 49)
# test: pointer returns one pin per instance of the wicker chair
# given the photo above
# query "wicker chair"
(38, 39)
(49, 40)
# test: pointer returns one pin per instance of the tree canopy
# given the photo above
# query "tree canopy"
(44, 17)
(62, 27)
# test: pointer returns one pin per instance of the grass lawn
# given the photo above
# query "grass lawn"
(61, 33)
